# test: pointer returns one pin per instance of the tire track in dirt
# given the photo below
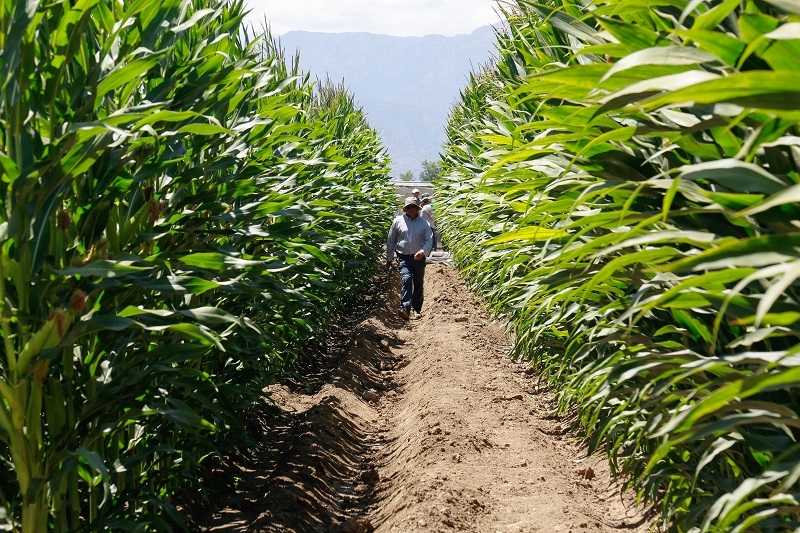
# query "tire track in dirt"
(425, 426)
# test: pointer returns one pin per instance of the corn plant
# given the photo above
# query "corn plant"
(629, 170)
(166, 246)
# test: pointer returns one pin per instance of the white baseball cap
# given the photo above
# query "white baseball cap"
(414, 190)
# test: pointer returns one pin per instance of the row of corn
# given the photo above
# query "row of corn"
(623, 184)
(181, 212)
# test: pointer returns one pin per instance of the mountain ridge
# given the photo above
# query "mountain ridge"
(406, 86)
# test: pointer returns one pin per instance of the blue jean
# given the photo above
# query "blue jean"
(413, 274)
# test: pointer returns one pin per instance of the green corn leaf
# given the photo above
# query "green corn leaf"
(536, 234)
(96, 463)
(645, 89)
(125, 73)
(10, 169)
(197, 16)
(105, 269)
(713, 17)
(726, 47)
(567, 24)
(789, 195)
(780, 54)
(725, 395)
(785, 318)
(216, 261)
(750, 252)
(687, 300)
(736, 175)
(199, 286)
(210, 315)
(196, 332)
(661, 55)
(632, 36)
(317, 253)
(204, 129)
(760, 89)
(113, 323)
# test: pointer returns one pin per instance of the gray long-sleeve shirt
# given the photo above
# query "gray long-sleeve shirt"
(408, 237)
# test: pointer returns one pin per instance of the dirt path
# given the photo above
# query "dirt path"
(423, 426)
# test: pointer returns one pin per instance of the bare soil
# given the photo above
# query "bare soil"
(421, 426)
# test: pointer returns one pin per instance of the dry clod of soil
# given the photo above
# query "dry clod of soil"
(371, 396)
(462, 438)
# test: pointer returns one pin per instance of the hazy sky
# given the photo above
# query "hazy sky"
(402, 18)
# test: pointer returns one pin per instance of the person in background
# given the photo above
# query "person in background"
(426, 212)
(410, 239)
(415, 194)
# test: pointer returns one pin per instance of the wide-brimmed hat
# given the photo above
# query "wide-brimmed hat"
(411, 201)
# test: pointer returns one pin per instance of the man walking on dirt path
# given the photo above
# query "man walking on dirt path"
(410, 238)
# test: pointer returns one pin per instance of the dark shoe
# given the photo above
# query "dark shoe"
(404, 314)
